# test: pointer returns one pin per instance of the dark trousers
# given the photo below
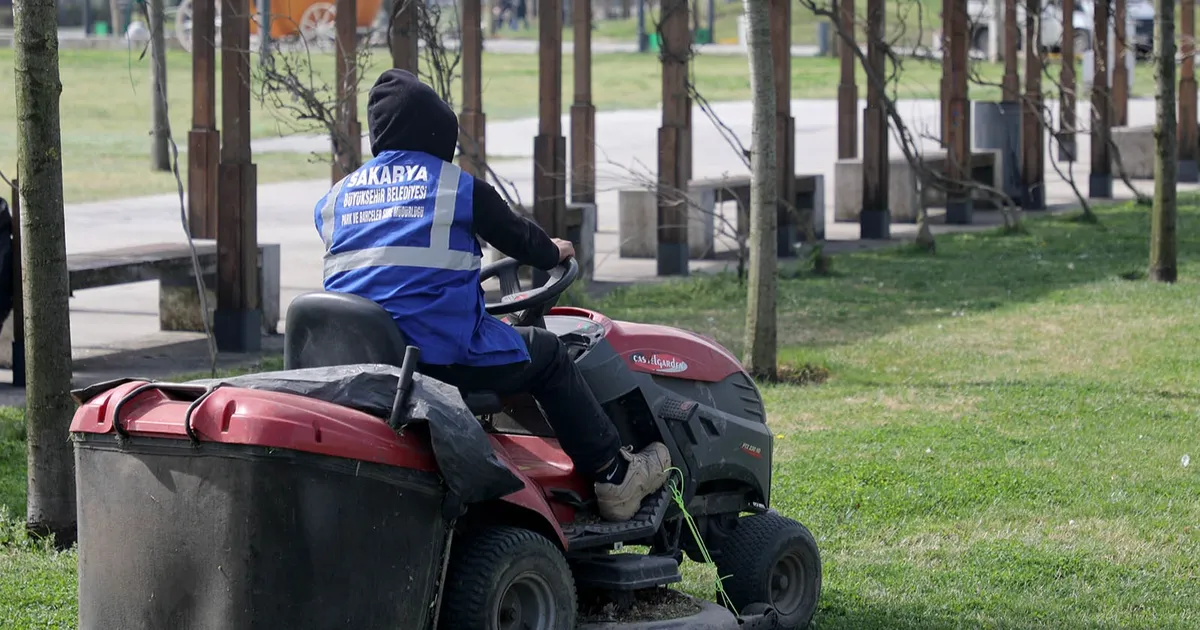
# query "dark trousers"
(583, 430)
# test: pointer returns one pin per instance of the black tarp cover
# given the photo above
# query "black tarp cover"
(464, 453)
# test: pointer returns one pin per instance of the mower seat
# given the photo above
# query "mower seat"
(325, 328)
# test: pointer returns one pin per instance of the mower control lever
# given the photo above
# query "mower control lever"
(404, 387)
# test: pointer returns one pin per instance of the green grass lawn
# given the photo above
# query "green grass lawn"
(1001, 443)
(105, 107)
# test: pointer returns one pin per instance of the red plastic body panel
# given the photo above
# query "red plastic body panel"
(543, 462)
(231, 415)
(244, 416)
(662, 350)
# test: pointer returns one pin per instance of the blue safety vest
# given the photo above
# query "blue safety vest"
(398, 231)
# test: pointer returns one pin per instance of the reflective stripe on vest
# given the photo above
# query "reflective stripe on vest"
(437, 256)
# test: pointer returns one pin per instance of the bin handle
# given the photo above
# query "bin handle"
(165, 387)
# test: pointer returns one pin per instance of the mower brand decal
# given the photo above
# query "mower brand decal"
(663, 363)
(752, 450)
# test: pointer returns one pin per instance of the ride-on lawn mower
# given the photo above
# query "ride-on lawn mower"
(348, 491)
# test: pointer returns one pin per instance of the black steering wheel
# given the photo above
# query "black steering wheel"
(532, 304)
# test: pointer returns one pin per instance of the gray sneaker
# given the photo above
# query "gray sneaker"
(647, 473)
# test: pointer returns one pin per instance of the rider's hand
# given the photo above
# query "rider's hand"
(565, 249)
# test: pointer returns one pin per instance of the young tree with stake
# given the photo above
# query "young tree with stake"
(760, 300)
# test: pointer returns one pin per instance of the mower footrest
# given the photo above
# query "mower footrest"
(624, 571)
(642, 525)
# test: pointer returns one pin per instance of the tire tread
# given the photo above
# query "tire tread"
(477, 561)
(745, 567)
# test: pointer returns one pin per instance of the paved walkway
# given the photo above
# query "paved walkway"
(123, 317)
(70, 38)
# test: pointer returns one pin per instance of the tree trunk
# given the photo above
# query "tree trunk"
(114, 9)
(48, 411)
(760, 301)
(1162, 217)
(160, 150)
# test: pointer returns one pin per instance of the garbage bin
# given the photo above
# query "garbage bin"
(225, 532)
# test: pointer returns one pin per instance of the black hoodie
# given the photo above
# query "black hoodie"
(404, 114)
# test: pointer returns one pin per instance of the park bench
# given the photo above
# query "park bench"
(171, 265)
(638, 208)
(904, 195)
(1134, 147)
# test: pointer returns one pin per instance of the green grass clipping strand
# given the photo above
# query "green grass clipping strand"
(677, 493)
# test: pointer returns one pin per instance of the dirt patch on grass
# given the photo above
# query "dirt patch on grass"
(654, 604)
(804, 374)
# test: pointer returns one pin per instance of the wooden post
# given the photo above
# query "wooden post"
(847, 86)
(18, 296)
(875, 219)
(673, 169)
(347, 142)
(1120, 73)
(583, 113)
(473, 123)
(549, 148)
(1067, 83)
(237, 321)
(1011, 85)
(1033, 145)
(1189, 139)
(959, 207)
(1100, 179)
(403, 36)
(789, 230)
(204, 141)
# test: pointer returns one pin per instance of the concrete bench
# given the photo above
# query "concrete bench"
(904, 198)
(1135, 146)
(639, 214)
(171, 265)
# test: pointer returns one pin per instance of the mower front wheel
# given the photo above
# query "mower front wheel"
(508, 577)
(773, 560)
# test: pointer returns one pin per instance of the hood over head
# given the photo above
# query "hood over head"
(404, 114)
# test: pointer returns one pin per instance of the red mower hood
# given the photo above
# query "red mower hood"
(662, 350)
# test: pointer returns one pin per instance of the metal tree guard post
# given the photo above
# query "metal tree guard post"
(1100, 178)
(787, 230)
(1033, 168)
(550, 147)
(1120, 72)
(957, 126)
(875, 220)
(1188, 136)
(847, 88)
(1067, 83)
(673, 149)
(473, 121)
(237, 322)
(204, 141)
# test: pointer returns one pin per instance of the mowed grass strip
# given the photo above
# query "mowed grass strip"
(1001, 443)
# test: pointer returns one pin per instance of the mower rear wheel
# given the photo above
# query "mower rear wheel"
(769, 559)
(507, 577)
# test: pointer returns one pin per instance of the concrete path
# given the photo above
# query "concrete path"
(124, 317)
(74, 38)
